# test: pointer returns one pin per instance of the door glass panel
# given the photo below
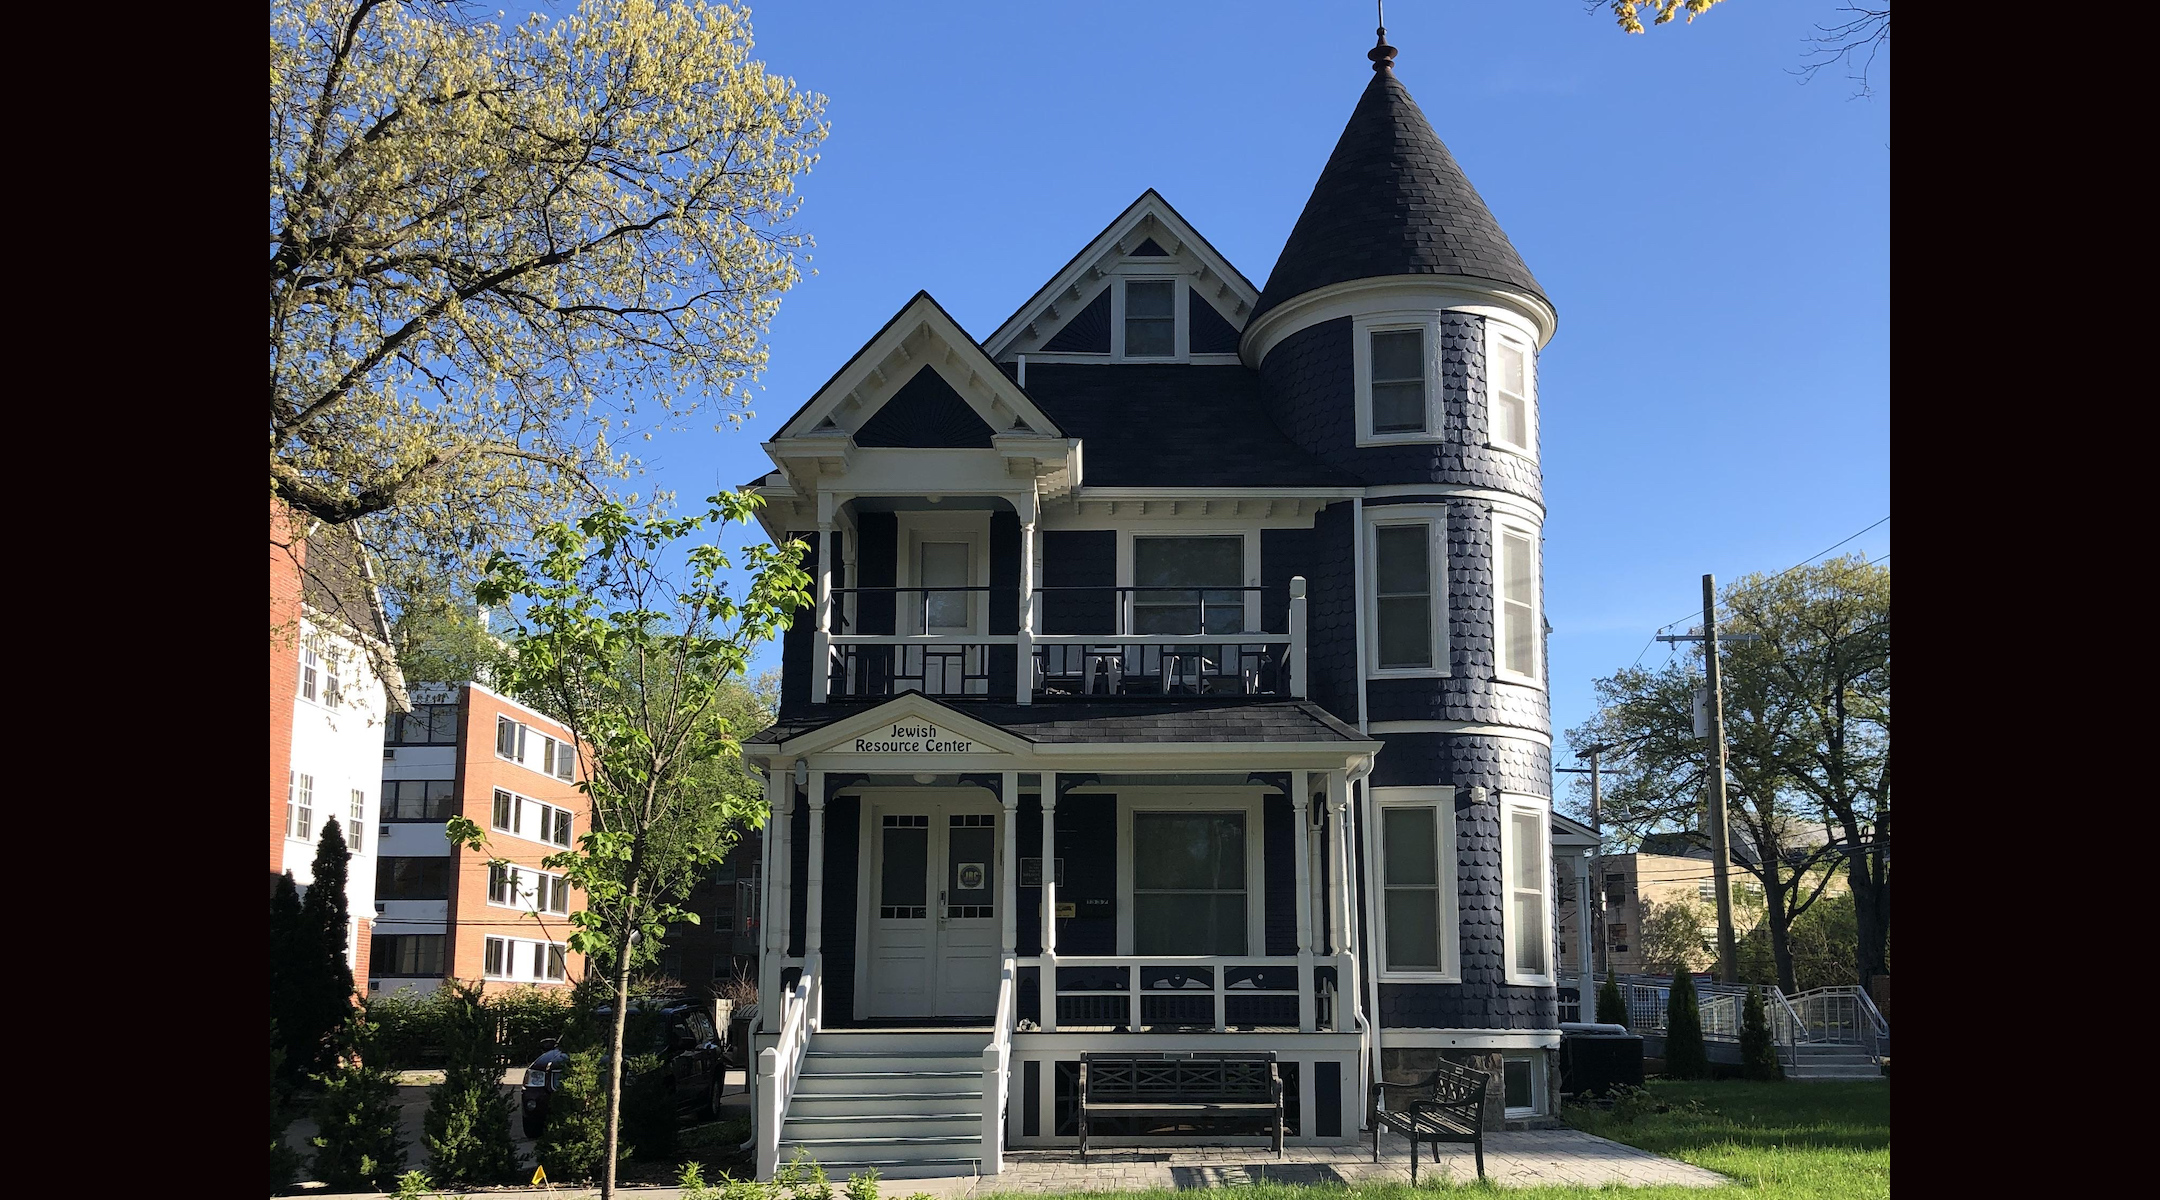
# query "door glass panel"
(1192, 568)
(971, 866)
(945, 565)
(904, 866)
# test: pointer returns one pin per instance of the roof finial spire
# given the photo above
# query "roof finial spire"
(1382, 55)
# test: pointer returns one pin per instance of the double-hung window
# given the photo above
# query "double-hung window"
(531, 819)
(1398, 381)
(1417, 881)
(1189, 883)
(359, 818)
(1150, 318)
(331, 694)
(300, 806)
(509, 739)
(1525, 861)
(557, 758)
(495, 960)
(1188, 585)
(310, 672)
(1405, 582)
(1395, 367)
(503, 885)
(1510, 400)
(1516, 604)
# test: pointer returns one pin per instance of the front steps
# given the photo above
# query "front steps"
(1832, 1062)
(908, 1104)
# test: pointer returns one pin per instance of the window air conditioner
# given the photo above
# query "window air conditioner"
(389, 752)
(381, 908)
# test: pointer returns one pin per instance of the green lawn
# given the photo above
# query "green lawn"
(1779, 1141)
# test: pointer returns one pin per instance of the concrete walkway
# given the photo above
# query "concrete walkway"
(1528, 1159)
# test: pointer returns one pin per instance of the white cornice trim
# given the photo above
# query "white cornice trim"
(1470, 1039)
(1212, 493)
(921, 335)
(1356, 297)
(1456, 491)
(1471, 728)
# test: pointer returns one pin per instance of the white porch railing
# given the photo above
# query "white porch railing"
(997, 1068)
(780, 1065)
(1137, 992)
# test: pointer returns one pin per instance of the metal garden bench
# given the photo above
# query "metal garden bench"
(1182, 1085)
(1445, 1106)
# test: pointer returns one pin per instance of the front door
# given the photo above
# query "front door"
(934, 924)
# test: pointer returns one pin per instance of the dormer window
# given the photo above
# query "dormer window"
(1150, 318)
(1397, 366)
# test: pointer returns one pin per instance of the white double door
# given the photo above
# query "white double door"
(935, 885)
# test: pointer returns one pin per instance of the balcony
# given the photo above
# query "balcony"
(1146, 642)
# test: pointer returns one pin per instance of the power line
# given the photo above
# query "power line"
(1781, 574)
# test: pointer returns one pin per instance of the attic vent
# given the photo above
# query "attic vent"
(827, 423)
(1148, 249)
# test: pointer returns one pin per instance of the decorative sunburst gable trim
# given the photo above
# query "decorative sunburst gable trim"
(1080, 281)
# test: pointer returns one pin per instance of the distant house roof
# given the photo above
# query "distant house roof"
(1392, 201)
(1174, 425)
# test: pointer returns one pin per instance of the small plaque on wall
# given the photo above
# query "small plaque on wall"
(1067, 908)
(1031, 872)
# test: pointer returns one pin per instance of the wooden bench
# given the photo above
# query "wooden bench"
(1445, 1106)
(1182, 1085)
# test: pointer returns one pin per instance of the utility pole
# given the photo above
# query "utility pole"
(1720, 842)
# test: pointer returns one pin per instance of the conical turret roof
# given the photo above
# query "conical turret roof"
(1392, 201)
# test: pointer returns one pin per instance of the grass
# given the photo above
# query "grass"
(1778, 1141)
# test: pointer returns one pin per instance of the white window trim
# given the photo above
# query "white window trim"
(1434, 517)
(548, 818)
(525, 889)
(1175, 529)
(310, 672)
(1248, 801)
(1510, 804)
(1149, 270)
(1501, 524)
(1362, 328)
(1539, 1065)
(1495, 333)
(533, 744)
(1442, 800)
(358, 801)
(293, 808)
(520, 958)
(915, 528)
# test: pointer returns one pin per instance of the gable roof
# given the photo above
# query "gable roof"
(1392, 201)
(1154, 213)
(1119, 721)
(921, 314)
(1175, 425)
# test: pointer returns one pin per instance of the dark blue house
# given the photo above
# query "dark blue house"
(1176, 682)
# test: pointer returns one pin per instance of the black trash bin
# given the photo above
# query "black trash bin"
(1593, 1058)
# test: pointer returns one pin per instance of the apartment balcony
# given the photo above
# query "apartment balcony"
(1144, 642)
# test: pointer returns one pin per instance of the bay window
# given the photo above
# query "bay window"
(1417, 881)
(1525, 866)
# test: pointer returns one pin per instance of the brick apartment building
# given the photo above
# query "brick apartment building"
(328, 709)
(495, 916)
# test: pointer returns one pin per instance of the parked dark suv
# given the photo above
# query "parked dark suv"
(692, 1060)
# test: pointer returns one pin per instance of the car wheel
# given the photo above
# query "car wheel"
(710, 1110)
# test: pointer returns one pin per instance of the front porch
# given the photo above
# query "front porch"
(979, 893)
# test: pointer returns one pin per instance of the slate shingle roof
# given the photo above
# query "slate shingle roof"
(1228, 719)
(1391, 201)
(1174, 425)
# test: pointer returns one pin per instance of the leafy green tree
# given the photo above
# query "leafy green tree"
(499, 255)
(1758, 1050)
(1611, 1005)
(635, 664)
(1807, 723)
(467, 1127)
(358, 1144)
(1685, 1057)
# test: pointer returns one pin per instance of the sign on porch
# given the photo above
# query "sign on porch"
(913, 737)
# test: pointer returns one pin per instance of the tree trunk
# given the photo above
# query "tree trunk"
(1778, 918)
(615, 1066)
(1871, 916)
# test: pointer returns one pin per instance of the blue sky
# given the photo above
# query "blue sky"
(1714, 235)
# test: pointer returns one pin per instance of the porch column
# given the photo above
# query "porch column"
(1302, 853)
(1024, 682)
(1046, 986)
(783, 888)
(779, 787)
(1586, 985)
(1009, 903)
(814, 880)
(821, 654)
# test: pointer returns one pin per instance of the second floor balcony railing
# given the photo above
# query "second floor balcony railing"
(1090, 641)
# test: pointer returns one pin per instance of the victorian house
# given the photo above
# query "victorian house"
(1176, 682)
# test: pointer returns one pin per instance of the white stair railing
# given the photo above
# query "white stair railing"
(780, 1065)
(997, 1070)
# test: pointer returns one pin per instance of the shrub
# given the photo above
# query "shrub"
(524, 1017)
(284, 1161)
(467, 1128)
(410, 1027)
(648, 1108)
(572, 1145)
(1611, 1006)
(1685, 1057)
(863, 1186)
(1758, 1052)
(358, 1146)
